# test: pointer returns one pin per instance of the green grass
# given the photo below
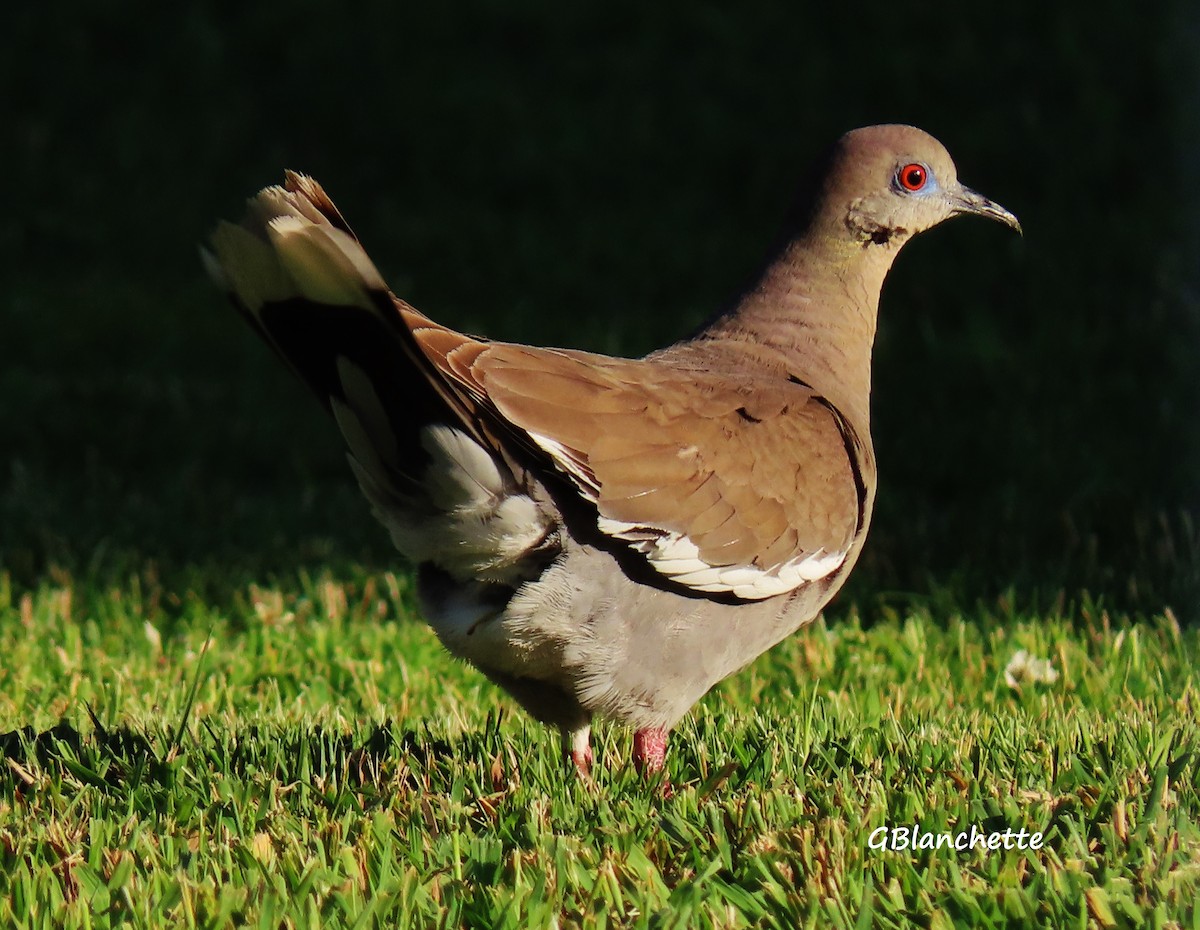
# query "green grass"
(306, 755)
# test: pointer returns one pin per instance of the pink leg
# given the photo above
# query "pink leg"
(649, 750)
(577, 748)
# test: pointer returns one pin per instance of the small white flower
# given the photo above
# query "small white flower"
(1023, 667)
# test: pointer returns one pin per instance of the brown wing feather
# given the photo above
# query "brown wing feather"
(752, 477)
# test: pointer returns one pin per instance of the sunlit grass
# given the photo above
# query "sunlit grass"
(306, 754)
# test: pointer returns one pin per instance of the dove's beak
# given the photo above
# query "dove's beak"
(968, 201)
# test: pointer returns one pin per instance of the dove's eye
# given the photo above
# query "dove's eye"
(912, 177)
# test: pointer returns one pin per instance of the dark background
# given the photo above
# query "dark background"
(603, 179)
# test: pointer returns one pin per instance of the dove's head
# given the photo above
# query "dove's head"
(883, 184)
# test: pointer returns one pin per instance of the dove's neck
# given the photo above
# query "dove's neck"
(813, 311)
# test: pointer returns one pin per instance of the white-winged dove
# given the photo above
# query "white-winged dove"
(606, 535)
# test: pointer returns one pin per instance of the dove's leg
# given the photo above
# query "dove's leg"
(650, 750)
(577, 748)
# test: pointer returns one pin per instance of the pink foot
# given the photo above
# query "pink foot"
(583, 761)
(649, 750)
(577, 748)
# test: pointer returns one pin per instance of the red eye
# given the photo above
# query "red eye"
(912, 177)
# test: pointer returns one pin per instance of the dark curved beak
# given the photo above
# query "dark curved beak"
(968, 201)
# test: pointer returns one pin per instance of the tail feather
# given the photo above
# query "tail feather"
(418, 447)
(297, 272)
(288, 247)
